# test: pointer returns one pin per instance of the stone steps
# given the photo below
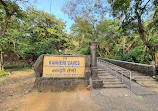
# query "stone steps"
(103, 75)
(150, 79)
(100, 70)
(146, 81)
(107, 77)
(115, 86)
(141, 77)
(150, 85)
(110, 81)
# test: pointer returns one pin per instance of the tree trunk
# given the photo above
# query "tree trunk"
(8, 15)
(1, 63)
(4, 27)
(156, 63)
(142, 36)
(142, 32)
(5, 24)
(156, 59)
(129, 48)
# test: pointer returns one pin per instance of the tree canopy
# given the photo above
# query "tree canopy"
(132, 27)
(126, 29)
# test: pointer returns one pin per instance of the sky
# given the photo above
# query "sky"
(55, 6)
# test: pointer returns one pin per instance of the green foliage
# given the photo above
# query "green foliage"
(85, 50)
(35, 33)
(44, 32)
(116, 57)
(2, 73)
(131, 11)
(131, 36)
(110, 36)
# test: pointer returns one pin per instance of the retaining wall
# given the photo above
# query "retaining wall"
(142, 68)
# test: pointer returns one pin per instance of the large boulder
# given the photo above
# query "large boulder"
(38, 66)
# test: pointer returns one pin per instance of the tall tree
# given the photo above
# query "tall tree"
(86, 10)
(8, 8)
(135, 10)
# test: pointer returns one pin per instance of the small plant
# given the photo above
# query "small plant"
(2, 73)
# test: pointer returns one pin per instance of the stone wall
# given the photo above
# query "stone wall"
(60, 84)
(142, 68)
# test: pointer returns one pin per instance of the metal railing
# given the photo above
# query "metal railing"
(116, 71)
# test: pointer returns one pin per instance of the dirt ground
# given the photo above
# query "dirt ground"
(17, 94)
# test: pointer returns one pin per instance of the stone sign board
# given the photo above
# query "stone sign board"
(63, 66)
(62, 72)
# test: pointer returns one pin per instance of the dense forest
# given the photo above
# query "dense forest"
(130, 32)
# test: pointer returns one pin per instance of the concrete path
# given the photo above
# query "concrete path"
(113, 100)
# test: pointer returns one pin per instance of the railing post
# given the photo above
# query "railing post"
(130, 80)
(121, 75)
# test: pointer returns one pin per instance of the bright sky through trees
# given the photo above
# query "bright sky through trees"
(54, 7)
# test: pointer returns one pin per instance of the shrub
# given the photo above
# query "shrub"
(2, 73)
